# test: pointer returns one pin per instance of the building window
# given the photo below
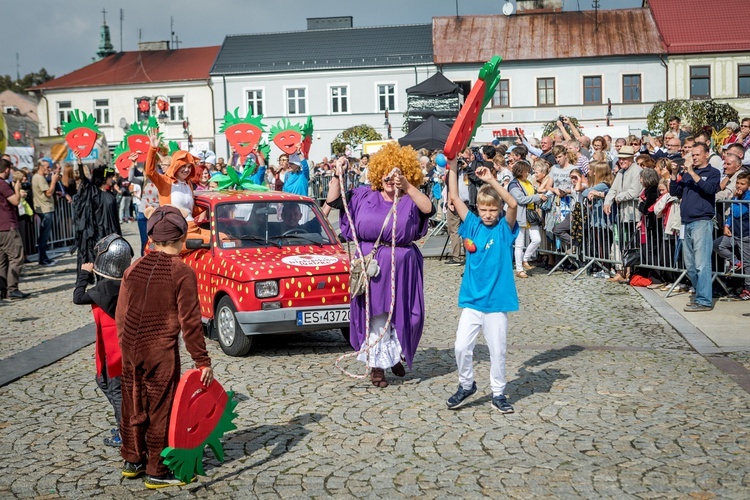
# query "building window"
(340, 99)
(501, 99)
(743, 80)
(64, 110)
(296, 102)
(387, 97)
(176, 108)
(592, 89)
(545, 91)
(700, 82)
(631, 88)
(101, 111)
(255, 102)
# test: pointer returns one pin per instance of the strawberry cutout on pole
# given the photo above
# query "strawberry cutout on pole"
(287, 135)
(81, 132)
(307, 134)
(243, 134)
(122, 160)
(137, 138)
(200, 417)
(470, 117)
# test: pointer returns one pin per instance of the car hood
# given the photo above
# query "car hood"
(279, 263)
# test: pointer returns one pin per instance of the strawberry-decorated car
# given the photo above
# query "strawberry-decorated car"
(273, 265)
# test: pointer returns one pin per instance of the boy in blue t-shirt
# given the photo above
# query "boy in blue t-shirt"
(488, 289)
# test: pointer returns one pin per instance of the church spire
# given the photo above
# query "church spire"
(105, 43)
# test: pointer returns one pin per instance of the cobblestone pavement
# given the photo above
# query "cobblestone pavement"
(610, 402)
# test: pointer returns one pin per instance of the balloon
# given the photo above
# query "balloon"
(441, 160)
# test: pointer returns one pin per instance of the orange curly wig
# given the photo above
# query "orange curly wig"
(392, 155)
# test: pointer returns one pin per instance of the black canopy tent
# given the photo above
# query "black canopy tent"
(430, 134)
(435, 85)
(437, 96)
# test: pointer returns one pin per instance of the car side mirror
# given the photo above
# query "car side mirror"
(196, 244)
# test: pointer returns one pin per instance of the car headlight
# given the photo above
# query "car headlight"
(266, 289)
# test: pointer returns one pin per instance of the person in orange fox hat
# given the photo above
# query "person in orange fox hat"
(176, 185)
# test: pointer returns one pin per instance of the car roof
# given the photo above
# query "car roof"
(215, 197)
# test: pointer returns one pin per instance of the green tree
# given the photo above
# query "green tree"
(354, 137)
(28, 81)
(697, 114)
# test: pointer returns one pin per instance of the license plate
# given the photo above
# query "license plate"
(322, 317)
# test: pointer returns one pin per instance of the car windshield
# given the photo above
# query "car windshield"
(253, 224)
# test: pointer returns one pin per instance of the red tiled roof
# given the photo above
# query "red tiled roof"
(125, 68)
(698, 26)
(545, 35)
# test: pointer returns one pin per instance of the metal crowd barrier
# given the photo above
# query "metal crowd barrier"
(62, 234)
(318, 185)
(627, 238)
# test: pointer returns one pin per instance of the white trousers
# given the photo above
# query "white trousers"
(385, 353)
(535, 241)
(495, 328)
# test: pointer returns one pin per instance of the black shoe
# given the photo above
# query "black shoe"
(453, 262)
(18, 294)
(132, 471)
(3, 294)
(460, 397)
(501, 404)
(153, 482)
(697, 308)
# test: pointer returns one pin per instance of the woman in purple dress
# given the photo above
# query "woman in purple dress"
(369, 206)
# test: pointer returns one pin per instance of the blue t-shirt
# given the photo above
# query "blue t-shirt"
(488, 285)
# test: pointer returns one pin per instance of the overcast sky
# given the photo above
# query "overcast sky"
(62, 36)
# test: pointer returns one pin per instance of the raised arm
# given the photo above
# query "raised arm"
(458, 204)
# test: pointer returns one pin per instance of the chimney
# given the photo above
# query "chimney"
(327, 23)
(535, 6)
(147, 46)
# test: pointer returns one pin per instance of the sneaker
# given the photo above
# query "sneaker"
(113, 440)
(132, 471)
(502, 405)
(745, 295)
(49, 263)
(600, 274)
(461, 395)
(697, 308)
(17, 294)
(452, 262)
(154, 483)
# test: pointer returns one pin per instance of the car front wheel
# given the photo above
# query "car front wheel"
(232, 339)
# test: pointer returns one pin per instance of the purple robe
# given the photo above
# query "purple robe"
(369, 209)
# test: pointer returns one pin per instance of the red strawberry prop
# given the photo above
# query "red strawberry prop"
(287, 136)
(137, 138)
(122, 162)
(469, 245)
(200, 417)
(81, 132)
(470, 116)
(307, 134)
(243, 134)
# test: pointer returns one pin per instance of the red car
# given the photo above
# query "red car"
(273, 265)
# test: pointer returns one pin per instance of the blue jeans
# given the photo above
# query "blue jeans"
(697, 250)
(45, 227)
(142, 230)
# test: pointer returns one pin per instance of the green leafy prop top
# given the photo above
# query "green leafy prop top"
(234, 180)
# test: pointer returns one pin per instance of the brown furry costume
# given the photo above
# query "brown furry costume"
(158, 298)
